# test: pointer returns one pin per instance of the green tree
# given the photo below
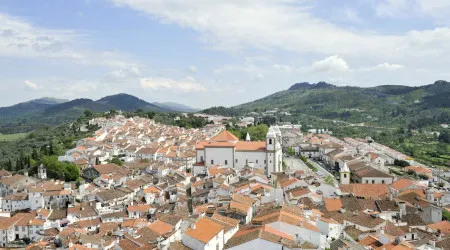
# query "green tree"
(116, 161)
(444, 137)
(290, 151)
(60, 170)
(329, 180)
(88, 113)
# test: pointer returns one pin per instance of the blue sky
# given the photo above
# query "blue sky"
(213, 52)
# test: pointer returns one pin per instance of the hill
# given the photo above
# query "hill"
(386, 104)
(27, 116)
(175, 107)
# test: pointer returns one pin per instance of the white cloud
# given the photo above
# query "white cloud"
(352, 15)
(283, 68)
(288, 25)
(124, 74)
(193, 69)
(385, 66)
(19, 38)
(330, 64)
(188, 84)
(393, 8)
(31, 85)
(437, 10)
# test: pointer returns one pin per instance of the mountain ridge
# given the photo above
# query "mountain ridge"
(27, 116)
(383, 104)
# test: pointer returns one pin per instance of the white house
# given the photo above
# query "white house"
(205, 234)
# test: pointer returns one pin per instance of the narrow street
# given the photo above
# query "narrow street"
(297, 164)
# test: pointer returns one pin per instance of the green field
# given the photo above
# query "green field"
(12, 137)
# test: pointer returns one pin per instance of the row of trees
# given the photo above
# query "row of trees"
(257, 133)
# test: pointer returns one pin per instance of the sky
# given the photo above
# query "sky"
(205, 53)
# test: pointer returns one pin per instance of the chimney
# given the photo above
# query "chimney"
(402, 206)
(432, 243)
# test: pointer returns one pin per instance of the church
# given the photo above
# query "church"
(226, 150)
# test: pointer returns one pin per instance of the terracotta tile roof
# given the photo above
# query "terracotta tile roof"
(205, 230)
(402, 184)
(226, 220)
(332, 204)
(89, 223)
(127, 244)
(160, 227)
(214, 144)
(152, 189)
(419, 192)
(443, 226)
(370, 241)
(371, 172)
(178, 245)
(111, 168)
(224, 136)
(266, 233)
(243, 199)
(243, 208)
(139, 208)
(251, 146)
(393, 230)
(288, 182)
(419, 169)
(297, 192)
(373, 191)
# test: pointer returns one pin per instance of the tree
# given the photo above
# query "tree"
(88, 113)
(401, 163)
(60, 170)
(329, 180)
(290, 151)
(444, 137)
(116, 161)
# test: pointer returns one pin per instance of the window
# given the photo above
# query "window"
(270, 141)
(201, 158)
(212, 161)
(236, 161)
(345, 175)
(265, 161)
(226, 162)
(382, 181)
(367, 181)
(373, 181)
(256, 161)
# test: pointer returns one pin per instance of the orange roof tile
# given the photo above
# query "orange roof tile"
(401, 184)
(160, 227)
(443, 226)
(332, 204)
(205, 230)
(239, 206)
(139, 208)
(224, 136)
(251, 146)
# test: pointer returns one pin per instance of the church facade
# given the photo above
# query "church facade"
(226, 150)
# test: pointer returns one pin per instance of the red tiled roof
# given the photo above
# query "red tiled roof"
(332, 204)
(224, 136)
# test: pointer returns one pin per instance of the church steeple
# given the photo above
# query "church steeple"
(247, 137)
(345, 174)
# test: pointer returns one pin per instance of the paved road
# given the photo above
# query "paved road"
(321, 169)
(297, 164)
